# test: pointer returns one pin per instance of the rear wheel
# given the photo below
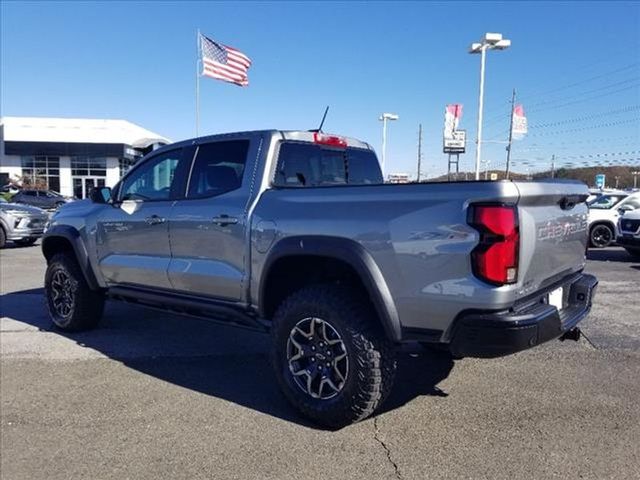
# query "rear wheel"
(601, 235)
(73, 306)
(26, 242)
(331, 358)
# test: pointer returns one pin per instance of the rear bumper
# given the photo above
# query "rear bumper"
(488, 335)
(628, 240)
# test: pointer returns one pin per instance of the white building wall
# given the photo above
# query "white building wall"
(66, 185)
(113, 172)
(12, 165)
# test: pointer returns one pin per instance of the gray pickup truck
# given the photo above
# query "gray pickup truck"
(294, 233)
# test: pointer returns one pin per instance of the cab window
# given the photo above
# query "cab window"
(154, 179)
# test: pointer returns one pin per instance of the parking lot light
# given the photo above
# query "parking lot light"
(384, 118)
(490, 41)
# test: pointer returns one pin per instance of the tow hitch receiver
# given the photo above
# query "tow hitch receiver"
(573, 334)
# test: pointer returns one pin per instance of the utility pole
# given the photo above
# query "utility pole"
(419, 149)
(635, 179)
(553, 166)
(513, 104)
(617, 178)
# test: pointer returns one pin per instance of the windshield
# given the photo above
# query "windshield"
(604, 202)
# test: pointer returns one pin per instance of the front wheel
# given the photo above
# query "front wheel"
(601, 236)
(330, 355)
(73, 306)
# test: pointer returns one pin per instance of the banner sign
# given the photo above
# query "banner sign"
(452, 116)
(519, 129)
(454, 140)
(600, 179)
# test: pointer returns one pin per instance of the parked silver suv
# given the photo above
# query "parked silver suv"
(21, 224)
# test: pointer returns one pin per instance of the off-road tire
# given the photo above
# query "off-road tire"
(86, 305)
(3, 238)
(25, 242)
(371, 356)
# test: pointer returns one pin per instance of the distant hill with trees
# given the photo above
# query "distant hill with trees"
(616, 177)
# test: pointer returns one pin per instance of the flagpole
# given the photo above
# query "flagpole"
(513, 104)
(198, 84)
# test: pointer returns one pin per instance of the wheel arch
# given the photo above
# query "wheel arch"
(293, 256)
(64, 238)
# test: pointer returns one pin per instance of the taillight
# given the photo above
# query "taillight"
(495, 259)
(330, 140)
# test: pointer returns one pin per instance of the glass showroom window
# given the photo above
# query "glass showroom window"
(42, 172)
(88, 167)
(125, 164)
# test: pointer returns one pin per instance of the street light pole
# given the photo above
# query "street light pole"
(635, 179)
(384, 118)
(384, 143)
(483, 54)
(490, 41)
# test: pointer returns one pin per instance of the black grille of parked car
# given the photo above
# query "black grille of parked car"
(630, 225)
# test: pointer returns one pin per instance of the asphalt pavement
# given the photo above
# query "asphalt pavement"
(150, 395)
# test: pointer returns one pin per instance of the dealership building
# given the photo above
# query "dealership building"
(70, 155)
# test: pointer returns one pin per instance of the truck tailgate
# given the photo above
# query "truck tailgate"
(553, 231)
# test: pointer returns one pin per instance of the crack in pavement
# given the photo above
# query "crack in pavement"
(593, 345)
(376, 431)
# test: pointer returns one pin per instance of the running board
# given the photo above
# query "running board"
(219, 312)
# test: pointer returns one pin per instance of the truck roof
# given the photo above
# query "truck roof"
(293, 135)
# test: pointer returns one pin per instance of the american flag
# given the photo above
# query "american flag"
(224, 62)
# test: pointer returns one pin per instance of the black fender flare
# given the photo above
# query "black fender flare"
(72, 236)
(349, 252)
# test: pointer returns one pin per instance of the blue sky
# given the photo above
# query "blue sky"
(575, 65)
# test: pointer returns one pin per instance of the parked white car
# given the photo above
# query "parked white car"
(629, 232)
(604, 212)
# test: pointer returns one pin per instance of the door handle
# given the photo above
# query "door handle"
(154, 220)
(223, 220)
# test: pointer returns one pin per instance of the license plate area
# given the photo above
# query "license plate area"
(556, 298)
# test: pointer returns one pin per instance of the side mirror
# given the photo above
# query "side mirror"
(100, 195)
(625, 208)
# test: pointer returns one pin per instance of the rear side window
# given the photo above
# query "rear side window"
(218, 168)
(309, 165)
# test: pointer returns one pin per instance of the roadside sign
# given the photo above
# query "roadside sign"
(494, 176)
(600, 178)
(456, 143)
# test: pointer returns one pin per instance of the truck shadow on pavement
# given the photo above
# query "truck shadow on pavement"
(610, 254)
(224, 362)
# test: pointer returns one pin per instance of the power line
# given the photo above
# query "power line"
(586, 80)
(590, 141)
(585, 118)
(585, 92)
(543, 93)
(566, 104)
(590, 127)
